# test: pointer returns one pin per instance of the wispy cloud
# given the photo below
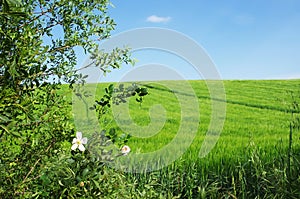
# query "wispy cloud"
(157, 19)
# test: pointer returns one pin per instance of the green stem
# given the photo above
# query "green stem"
(289, 157)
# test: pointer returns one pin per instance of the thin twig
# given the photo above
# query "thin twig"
(33, 167)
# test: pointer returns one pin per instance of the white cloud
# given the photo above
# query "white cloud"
(157, 19)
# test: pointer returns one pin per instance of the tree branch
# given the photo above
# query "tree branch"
(33, 167)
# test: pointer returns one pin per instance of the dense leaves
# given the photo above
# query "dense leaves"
(38, 39)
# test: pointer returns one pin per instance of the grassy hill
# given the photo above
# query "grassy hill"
(255, 110)
(250, 156)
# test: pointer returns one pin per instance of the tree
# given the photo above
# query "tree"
(38, 39)
(40, 44)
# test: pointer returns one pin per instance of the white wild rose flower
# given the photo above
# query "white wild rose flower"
(78, 142)
(125, 150)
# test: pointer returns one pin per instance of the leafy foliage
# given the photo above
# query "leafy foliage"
(38, 39)
(117, 95)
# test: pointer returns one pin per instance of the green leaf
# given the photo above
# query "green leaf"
(4, 128)
(4, 118)
(85, 172)
(96, 183)
(111, 88)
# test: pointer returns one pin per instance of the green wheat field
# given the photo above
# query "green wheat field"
(251, 157)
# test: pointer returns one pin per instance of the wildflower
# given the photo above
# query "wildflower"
(78, 142)
(125, 150)
(81, 184)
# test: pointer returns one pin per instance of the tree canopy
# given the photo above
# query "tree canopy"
(38, 42)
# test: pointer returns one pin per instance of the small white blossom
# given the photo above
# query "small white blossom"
(78, 142)
(125, 150)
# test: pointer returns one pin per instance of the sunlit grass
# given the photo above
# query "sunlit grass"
(255, 135)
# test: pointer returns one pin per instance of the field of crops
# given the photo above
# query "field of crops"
(250, 158)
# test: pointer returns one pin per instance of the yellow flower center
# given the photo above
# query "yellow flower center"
(78, 142)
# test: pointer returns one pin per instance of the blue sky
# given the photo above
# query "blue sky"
(245, 39)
